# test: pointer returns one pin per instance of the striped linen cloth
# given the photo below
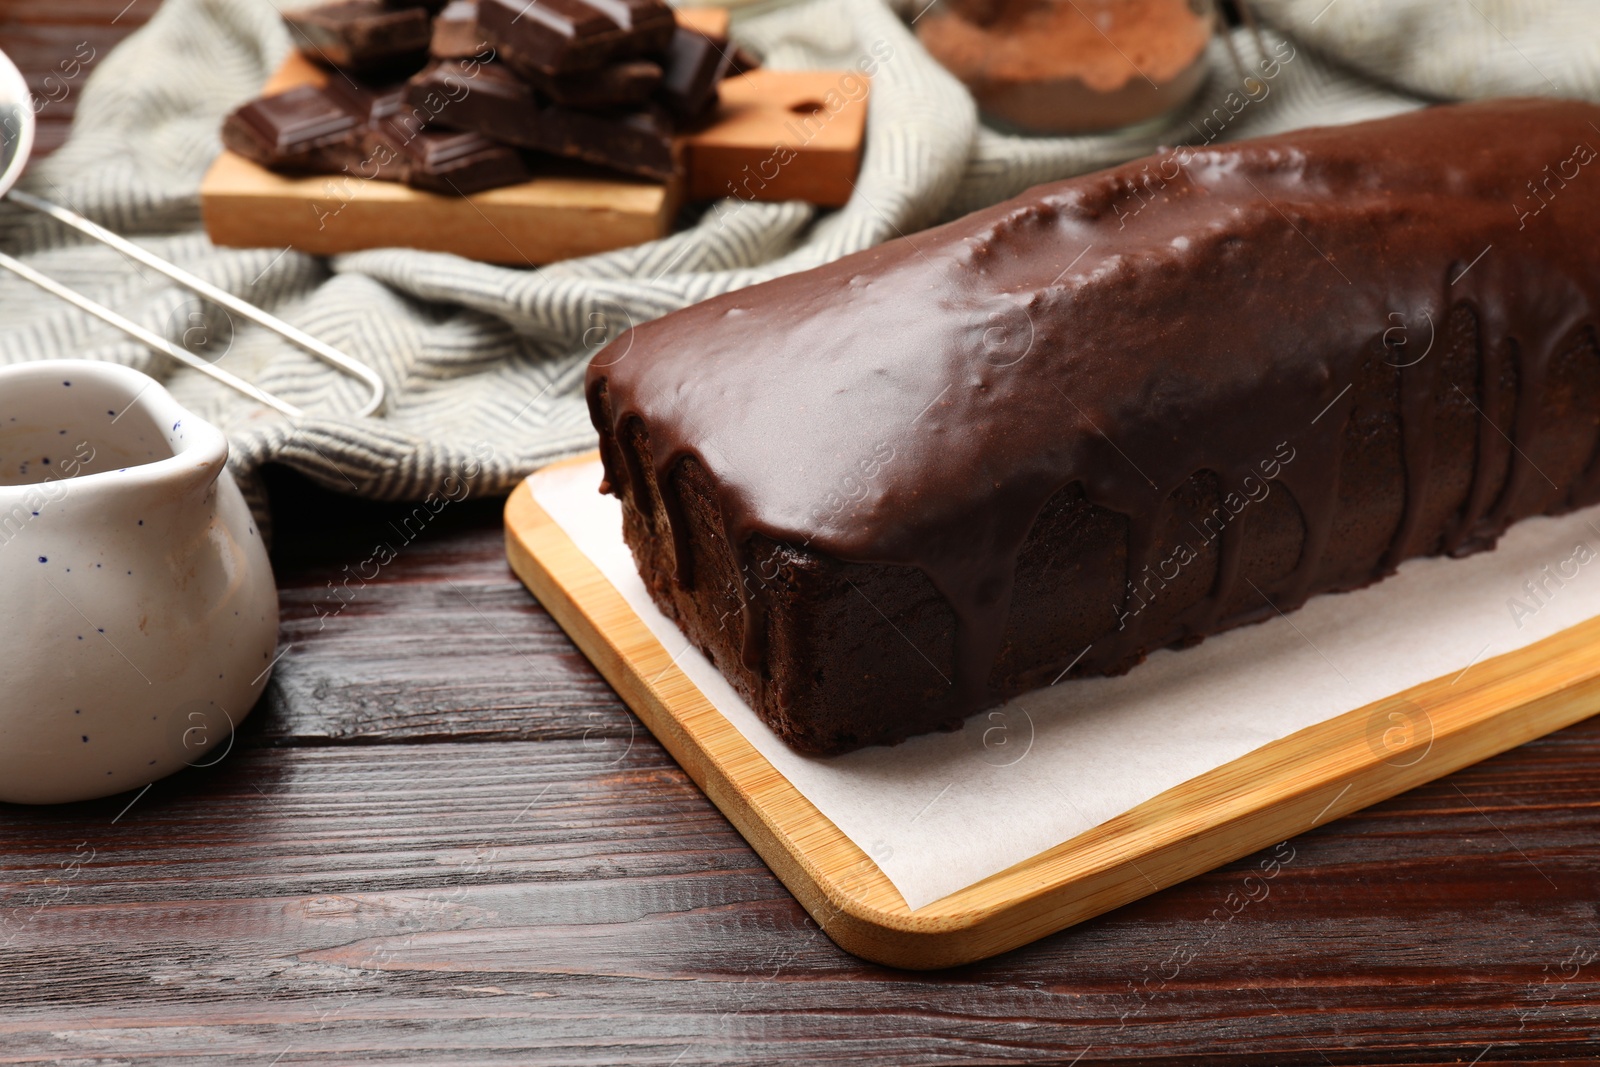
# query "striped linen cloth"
(484, 364)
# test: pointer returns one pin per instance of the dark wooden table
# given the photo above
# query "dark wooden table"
(441, 839)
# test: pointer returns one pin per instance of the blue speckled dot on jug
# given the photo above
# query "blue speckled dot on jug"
(140, 616)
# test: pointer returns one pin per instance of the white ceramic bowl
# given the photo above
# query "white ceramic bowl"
(140, 617)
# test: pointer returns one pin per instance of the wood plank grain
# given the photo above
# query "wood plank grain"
(56, 60)
(535, 900)
(444, 643)
(782, 135)
(56, 45)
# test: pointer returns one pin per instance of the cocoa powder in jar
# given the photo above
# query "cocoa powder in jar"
(1072, 66)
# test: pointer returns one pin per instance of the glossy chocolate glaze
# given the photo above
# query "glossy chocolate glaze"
(1200, 310)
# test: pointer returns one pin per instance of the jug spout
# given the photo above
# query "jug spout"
(103, 433)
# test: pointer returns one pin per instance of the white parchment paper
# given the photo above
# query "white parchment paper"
(942, 811)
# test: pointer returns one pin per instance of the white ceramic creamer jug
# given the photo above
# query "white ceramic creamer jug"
(138, 615)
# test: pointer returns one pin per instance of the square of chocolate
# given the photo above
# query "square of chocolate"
(562, 36)
(300, 129)
(441, 161)
(367, 155)
(484, 98)
(450, 161)
(361, 36)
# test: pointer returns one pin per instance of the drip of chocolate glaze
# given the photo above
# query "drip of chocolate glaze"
(1416, 435)
(1123, 331)
(1469, 530)
(1588, 488)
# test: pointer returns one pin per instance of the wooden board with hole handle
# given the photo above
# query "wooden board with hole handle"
(778, 135)
(1268, 796)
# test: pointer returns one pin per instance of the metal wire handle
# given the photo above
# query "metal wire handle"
(325, 352)
(1225, 31)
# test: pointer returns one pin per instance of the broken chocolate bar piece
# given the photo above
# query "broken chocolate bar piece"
(487, 98)
(319, 128)
(563, 36)
(636, 142)
(455, 32)
(695, 64)
(302, 129)
(625, 84)
(402, 147)
(361, 36)
(370, 104)
(361, 156)
(483, 98)
(448, 161)
(367, 133)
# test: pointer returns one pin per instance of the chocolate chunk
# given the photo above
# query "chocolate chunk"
(447, 161)
(370, 104)
(637, 142)
(455, 32)
(361, 36)
(366, 155)
(301, 129)
(562, 36)
(484, 98)
(624, 84)
(368, 133)
(400, 146)
(694, 65)
(487, 98)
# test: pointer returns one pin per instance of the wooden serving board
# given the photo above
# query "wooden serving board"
(1280, 790)
(778, 135)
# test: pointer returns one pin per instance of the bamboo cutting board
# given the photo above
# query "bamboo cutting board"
(1280, 790)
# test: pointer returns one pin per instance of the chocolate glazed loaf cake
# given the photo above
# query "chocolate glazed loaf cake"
(1116, 413)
